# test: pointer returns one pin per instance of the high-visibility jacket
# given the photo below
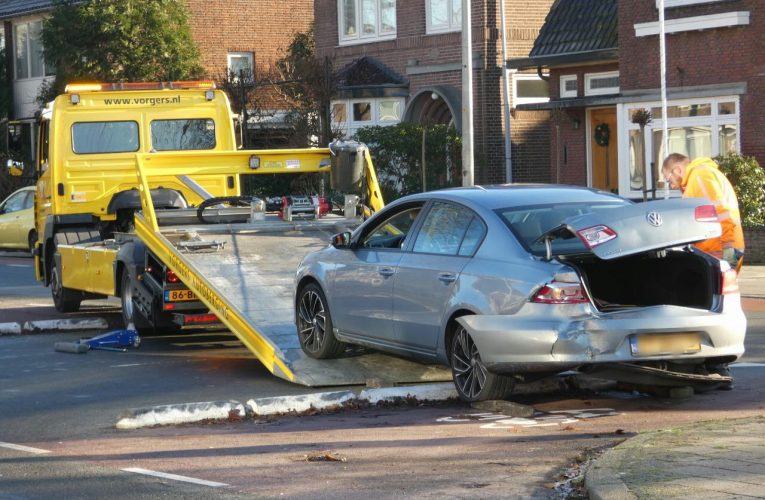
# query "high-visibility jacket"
(703, 179)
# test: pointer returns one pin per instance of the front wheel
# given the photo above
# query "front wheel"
(474, 382)
(314, 324)
(65, 299)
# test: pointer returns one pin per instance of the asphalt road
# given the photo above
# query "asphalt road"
(63, 408)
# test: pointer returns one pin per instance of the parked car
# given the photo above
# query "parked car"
(511, 283)
(17, 220)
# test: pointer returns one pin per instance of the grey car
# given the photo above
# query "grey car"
(510, 283)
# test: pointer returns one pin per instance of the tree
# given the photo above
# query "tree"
(119, 41)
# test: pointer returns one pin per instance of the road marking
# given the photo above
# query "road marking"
(19, 265)
(126, 366)
(540, 419)
(19, 447)
(174, 477)
(748, 365)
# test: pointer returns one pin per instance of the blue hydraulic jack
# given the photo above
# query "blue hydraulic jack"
(117, 340)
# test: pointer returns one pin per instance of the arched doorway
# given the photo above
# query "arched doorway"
(439, 104)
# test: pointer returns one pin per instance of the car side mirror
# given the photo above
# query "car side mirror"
(15, 168)
(342, 240)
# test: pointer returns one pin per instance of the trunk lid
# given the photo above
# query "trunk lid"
(632, 229)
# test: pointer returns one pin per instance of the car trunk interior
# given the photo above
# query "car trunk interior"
(678, 278)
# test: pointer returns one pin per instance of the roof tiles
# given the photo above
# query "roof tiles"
(576, 26)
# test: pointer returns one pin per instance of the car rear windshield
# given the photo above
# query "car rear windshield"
(104, 137)
(182, 135)
(529, 223)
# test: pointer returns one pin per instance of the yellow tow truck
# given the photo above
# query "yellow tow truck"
(138, 197)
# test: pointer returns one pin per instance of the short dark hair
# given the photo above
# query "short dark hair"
(674, 158)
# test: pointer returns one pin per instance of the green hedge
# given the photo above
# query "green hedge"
(748, 181)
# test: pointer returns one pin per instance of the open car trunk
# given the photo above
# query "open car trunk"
(671, 277)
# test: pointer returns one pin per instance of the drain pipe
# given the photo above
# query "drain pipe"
(506, 96)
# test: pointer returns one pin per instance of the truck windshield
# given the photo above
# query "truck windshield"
(104, 137)
(182, 135)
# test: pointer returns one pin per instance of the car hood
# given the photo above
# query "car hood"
(641, 227)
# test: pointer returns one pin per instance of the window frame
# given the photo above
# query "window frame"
(385, 217)
(214, 135)
(430, 29)
(350, 126)
(589, 77)
(250, 56)
(714, 121)
(669, 4)
(46, 72)
(358, 37)
(563, 93)
(527, 77)
(423, 217)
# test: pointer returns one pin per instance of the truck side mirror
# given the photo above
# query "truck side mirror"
(342, 240)
(15, 168)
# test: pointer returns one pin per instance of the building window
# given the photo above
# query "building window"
(700, 127)
(568, 85)
(529, 89)
(601, 83)
(363, 21)
(352, 114)
(240, 64)
(28, 55)
(668, 4)
(443, 15)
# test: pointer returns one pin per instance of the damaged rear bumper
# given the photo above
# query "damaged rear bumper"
(540, 338)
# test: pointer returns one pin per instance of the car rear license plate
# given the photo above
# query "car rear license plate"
(669, 343)
(179, 295)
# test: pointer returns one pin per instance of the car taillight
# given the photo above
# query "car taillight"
(171, 277)
(729, 283)
(706, 213)
(558, 292)
(596, 235)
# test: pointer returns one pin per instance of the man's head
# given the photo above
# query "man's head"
(673, 169)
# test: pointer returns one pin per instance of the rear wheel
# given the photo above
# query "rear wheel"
(314, 324)
(129, 313)
(65, 299)
(474, 382)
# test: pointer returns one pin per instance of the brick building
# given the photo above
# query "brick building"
(230, 34)
(402, 61)
(604, 69)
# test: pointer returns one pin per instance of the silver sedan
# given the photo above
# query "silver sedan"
(515, 282)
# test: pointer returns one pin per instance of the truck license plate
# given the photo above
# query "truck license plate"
(672, 343)
(179, 295)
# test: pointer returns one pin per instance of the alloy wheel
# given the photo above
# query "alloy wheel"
(311, 321)
(470, 374)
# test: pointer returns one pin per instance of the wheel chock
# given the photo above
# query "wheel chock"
(117, 340)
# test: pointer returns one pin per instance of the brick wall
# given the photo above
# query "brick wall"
(413, 46)
(723, 55)
(755, 245)
(263, 27)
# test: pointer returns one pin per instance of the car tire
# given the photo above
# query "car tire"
(65, 299)
(129, 313)
(314, 324)
(473, 381)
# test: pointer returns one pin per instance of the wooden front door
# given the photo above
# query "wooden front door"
(604, 168)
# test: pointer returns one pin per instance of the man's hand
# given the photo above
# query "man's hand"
(729, 256)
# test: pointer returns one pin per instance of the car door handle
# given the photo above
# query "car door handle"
(386, 271)
(447, 277)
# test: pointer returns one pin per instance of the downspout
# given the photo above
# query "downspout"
(506, 92)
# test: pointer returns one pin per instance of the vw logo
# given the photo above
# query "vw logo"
(654, 219)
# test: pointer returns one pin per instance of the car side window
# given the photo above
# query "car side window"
(15, 202)
(444, 230)
(473, 237)
(29, 201)
(392, 232)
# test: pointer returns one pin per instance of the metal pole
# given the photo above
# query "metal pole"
(506, 96)
(467, 96)
(665, 119)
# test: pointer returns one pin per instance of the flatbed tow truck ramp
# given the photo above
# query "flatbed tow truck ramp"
(245, 274)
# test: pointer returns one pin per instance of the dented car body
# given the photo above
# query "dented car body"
(510, 283)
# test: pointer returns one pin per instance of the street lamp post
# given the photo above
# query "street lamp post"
(467, 96)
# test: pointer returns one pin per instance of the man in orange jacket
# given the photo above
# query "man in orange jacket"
(701, 178)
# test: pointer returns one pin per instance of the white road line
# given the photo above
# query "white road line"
(126, 366)
(19, 265)
(747, 365)
(19, 447)
(174, 477)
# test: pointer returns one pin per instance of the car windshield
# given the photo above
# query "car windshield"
(528, 223)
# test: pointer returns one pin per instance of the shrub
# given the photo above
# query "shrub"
(397, 155)
(748, 179)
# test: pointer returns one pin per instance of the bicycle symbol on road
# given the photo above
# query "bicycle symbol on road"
(540, 419)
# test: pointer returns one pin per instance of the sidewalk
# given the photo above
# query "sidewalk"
(709, 460)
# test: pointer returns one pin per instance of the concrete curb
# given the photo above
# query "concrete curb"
(280, 405)
(603, 480)
(53, 325)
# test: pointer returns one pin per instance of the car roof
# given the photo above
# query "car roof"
(517, 195)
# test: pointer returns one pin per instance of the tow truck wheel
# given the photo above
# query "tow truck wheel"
(64, 299)
(314, 324)
(474, 382)
(129, 313)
